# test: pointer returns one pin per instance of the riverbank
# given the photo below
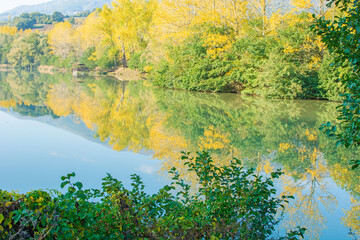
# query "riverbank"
(127, 74)
(6, 67)
(123, 74)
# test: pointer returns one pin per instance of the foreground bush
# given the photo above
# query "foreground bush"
(230, 203)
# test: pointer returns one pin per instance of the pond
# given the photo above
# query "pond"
(52, 125)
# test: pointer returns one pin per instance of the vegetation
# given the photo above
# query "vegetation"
(267, 134)
(342, 37)
(28, 50)
(65, 7)
(28, 20)
(82, 14)
(231, 203)
(202, 46)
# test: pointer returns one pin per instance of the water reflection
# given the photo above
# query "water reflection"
(266, 134)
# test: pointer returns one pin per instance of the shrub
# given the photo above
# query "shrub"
(192, 68)
(330, 78)
(230, 203)
(138, 61)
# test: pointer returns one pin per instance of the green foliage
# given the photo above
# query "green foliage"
(83, 14)
(68, 62)
(192, 69)
(28, 20)
(108, 59)
(71, 20)
(87, 59)
(230, 203)
(34, 111)
(257, 65)
(57, 17)
(5, 47)
(41, 18)
(138, 61)
(23, 23)
(330, 78)
(28, 50)
(342, 37)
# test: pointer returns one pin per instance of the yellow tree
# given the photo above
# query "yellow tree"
(317, 6)
(222, 13)
(106, 25)
(8, 30)
(261, 9)
(89, 33)
(61, 39)
(174, 20)
(132, 19)
(234, 14)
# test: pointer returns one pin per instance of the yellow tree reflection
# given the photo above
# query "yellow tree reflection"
(352, 217)
(308, 186)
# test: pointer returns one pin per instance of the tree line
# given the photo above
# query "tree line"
(255, 47)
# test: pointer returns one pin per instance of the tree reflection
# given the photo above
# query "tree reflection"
(265, 134)
(352, 218)
(309, 188)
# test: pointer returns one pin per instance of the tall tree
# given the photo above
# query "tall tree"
(262, 8)
(132, 22)
(61, 39)
(106, 25)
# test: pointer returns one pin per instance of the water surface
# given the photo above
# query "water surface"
(55, 124)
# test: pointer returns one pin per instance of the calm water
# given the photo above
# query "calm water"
(51, 125)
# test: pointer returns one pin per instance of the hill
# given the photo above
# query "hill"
(67, 7)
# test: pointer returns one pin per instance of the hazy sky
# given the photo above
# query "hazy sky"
(9, 4)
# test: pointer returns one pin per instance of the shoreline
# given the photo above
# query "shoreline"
(128, 74)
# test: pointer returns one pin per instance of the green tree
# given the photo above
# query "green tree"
(57, 17)
(23, 22)
(27, 50)
(5, 46)
(342, 37)
(71, 20)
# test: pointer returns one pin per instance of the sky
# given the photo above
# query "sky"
(10, 4)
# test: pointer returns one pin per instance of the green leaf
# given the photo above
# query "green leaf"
(71, 175)
(78, 185)
(354, 164)
(1, 218)
(17, 218)
(63, 184)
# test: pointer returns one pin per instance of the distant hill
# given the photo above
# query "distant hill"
(67, 7)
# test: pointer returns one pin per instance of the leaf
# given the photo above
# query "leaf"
(1, 218)
(63, 184)
(78, 185)
(17, 218)
(71, 175)
(354, 164)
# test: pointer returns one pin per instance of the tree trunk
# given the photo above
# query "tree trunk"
(124, 57)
